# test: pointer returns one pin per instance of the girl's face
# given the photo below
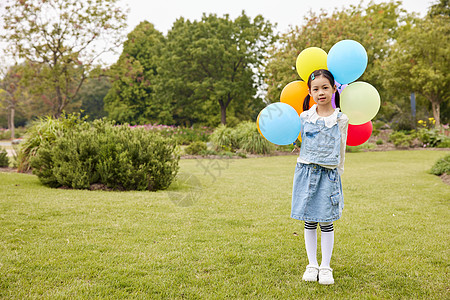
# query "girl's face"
(322, 91)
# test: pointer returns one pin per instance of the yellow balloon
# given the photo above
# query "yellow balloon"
(309, 60)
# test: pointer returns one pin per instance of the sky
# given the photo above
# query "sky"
(283, 12)
(163, 13)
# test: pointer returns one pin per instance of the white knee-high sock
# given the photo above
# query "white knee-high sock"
(311, 246)
(327, 241)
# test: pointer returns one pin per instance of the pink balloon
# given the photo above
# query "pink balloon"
(359, 134)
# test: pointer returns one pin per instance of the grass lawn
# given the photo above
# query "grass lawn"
(223, 231)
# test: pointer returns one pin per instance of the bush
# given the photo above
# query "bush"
(402, 122)
(441, 166)
(245, 137)
(195, 148)
(379, 142)
(359, 148)
(4, 160)
(44, 130)
(378, 124)
(182, 135)
(119, 157)
(431, 137)
(250, 140)
(401, 139)
(288, 148)
(445, 143)
(5, 134)
(224, 138)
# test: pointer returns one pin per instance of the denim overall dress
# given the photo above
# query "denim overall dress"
(317, 191)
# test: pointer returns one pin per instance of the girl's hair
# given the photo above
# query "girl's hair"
(327, 74)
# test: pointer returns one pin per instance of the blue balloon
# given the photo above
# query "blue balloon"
(279, 123)
(347, 61)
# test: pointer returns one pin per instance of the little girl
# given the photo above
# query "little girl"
(317, 193)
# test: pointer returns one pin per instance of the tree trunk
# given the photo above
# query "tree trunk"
(436, 112)
(59, 96)
(11, 122)
(223, 108)
(223, 113)
(60, 107)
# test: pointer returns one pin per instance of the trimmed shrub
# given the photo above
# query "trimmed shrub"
(195, 148)
(4, 160)
(441, 166)
(119, 157)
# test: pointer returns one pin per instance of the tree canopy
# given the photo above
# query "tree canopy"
(405, 53)
(216, 69)
(374, 27)
(200, 73)
(12, 94)
(132, 96)
(210, 67)
(419, 61)
(62, 37)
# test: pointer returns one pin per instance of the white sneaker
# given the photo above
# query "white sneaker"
(311, 273)
(326, 275)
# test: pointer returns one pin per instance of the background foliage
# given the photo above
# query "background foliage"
(59, 37)
(216, 70)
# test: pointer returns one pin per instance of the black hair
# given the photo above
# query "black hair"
(327, 74)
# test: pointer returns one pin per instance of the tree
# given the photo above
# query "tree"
(375, 27)
(11, 94)
(20, 95)
(92, 96)
(442, 7)
(132, 96)
(63, 36)
(420, 60)
(212, 66)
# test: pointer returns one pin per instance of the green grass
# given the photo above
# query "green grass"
(223, 231)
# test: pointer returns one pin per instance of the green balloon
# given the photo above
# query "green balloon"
(360, 101)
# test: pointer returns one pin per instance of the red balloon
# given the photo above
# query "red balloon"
(359, 134)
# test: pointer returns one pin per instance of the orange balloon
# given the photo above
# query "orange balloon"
(257, 125)
(294, 93)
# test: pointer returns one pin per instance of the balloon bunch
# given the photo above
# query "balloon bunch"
(347, 60)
